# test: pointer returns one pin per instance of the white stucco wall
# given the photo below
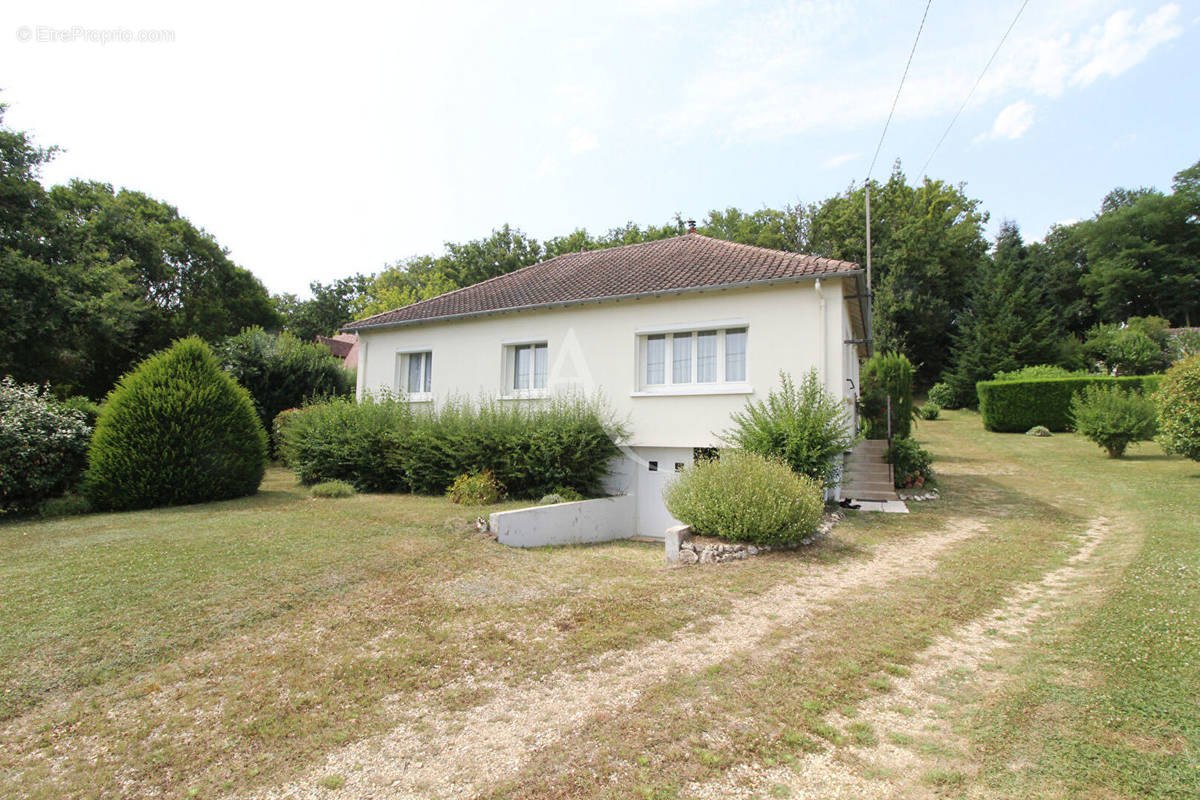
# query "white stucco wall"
(594, 348)
(584, 522)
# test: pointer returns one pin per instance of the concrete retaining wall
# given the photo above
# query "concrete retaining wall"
(583, 522)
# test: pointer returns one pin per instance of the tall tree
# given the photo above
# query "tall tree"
(175, 279)
(927, 244)
(1009, 323)
(332, 305)
(67, 311)
(1143, 252)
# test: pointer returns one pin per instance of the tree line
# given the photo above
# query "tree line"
(94, 279)
(959, 306)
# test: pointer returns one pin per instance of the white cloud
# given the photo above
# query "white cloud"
(547, 166)
(839, 160)
(580, 140)
(1121, 44)
(785, 71)
(1011, 123)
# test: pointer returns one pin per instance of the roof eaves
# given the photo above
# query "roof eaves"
(611, 299)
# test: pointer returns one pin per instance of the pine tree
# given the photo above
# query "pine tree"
(1009, 323)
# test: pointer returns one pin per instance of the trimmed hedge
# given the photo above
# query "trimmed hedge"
(387, 445)
(1016, 406)
(176, 430)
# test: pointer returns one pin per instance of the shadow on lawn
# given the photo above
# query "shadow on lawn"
(983, 496)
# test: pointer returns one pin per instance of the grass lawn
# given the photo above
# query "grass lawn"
(282, 642)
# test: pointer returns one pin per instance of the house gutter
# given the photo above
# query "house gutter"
(607, 299)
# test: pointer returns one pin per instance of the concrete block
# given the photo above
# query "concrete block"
(676, 535)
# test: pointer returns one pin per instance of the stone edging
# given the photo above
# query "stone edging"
(682, 550)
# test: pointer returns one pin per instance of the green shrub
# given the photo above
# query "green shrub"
(551, 499)
(69, 505)
(333, 489)
(384, 445)
(1038, 372)
(344, 440)
(929, 410)
(1178, 402)
(568, 494)
(43, 446)
(277, 429)
(943, 395)
(887, 375)
(805, 427)
(1113, 417)
(910, 463)
(177, 429)
(1138, 348)
(1183, 343)
(1017, 406)
(476, 489)
(282, 372)
(85, 406)
(746, 497)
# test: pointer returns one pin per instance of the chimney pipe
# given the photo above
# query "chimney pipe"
(691, 226)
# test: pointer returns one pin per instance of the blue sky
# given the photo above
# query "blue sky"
(320, 140)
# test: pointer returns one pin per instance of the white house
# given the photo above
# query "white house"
(677, 335)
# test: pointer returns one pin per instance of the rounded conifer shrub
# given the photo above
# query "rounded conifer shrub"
(177, 429)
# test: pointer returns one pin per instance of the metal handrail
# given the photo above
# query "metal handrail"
(891, 466)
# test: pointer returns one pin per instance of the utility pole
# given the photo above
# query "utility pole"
(870, 293)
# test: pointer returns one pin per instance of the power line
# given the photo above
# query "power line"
(869, 322)
(896, 99)
(976, 86)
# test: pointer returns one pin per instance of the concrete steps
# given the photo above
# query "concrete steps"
(867, 474)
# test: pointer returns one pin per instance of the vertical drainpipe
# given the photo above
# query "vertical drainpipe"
(362, 367)
(822, 337)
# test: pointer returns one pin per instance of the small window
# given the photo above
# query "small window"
(653, 465)
(705, 454)
(528, 367)
(679, 466)
(415, 372)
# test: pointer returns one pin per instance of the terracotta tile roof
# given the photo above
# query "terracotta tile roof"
(691, 262)
(342, 345)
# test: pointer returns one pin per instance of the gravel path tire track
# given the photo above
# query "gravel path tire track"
(912, 707)
(448, 754)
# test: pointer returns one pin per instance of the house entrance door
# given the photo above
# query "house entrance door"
(656, 468)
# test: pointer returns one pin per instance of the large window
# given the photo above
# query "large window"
(414, 373)
(527, 368)
(693, 358)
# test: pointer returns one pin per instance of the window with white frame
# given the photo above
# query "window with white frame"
(527, 368)
(693, 358)
(414, 374)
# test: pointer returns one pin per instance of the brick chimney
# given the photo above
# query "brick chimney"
(691, 226)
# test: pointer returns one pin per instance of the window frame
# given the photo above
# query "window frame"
(692, 331)
(508, 388)
(403, 358)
